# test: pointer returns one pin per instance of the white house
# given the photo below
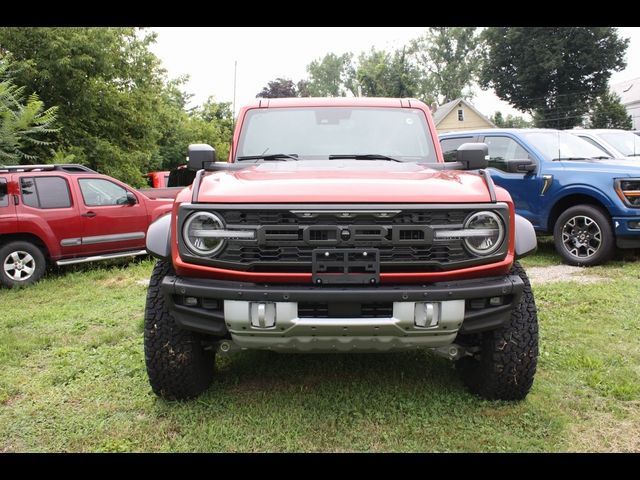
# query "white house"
(629, 92)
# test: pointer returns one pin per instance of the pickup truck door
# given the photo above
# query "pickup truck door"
(110, 224)
(524, 188)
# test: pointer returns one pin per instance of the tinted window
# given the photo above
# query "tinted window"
(502, 149)
(450, 145)
(4, 196)
(315, 133)
(99, 193)
(45, 192)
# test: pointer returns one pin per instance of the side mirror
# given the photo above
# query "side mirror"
(131, 199)
(524, 165)
(473, 156)
(200, 156)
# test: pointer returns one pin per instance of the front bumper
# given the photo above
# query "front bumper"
(627, 231)
(269, 316)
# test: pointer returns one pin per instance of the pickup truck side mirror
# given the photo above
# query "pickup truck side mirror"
(200, 156)
(473, 156)
(523, 165)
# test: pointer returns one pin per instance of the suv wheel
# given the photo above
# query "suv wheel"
(583, 236)
(505, 365)
(177, 364)
(21, 263)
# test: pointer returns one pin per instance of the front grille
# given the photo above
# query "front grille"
(286, 236)
(342, 310)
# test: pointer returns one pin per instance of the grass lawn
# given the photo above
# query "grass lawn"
(73, 379)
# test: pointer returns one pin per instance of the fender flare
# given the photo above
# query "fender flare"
(159, 237)
(526, 240)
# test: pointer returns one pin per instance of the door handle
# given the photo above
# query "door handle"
(89, 214)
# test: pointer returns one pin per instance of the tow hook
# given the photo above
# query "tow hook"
(227, 347)
(452, 352)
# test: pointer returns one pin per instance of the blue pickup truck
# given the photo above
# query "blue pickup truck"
(564, 186)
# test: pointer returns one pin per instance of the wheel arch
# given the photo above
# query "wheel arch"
(26, 237)
(572, 200)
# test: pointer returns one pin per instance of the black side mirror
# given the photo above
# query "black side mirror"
(200, 156)
(131, 199)
(523, 165)
(473, 156)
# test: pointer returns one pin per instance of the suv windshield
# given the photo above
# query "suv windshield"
(317, 132)
(626, 143)
(562, 146)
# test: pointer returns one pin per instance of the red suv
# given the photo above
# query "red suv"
(64, 214)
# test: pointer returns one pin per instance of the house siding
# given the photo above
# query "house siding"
(471, 121)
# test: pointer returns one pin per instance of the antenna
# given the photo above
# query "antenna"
(235, 70)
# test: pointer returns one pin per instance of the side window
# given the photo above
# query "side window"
(45, 192)
(502, 149)
(99, 193)
(450, 145)
(4, 194)
(596, 144)
(460, 115)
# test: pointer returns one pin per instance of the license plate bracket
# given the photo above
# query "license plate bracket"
(346, 266)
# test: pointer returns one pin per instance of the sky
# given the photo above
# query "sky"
(208, 56)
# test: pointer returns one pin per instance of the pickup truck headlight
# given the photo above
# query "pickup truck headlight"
(628, 189)
(483, 233)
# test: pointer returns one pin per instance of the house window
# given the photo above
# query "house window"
(460, 115)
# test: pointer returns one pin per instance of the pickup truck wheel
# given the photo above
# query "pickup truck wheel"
(504, 367)
(583, 236)
(177, 364)
(21, 264)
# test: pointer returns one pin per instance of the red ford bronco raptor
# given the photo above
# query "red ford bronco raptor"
(335, 226)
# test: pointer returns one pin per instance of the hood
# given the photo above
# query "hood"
(616, 167)
(345, 181)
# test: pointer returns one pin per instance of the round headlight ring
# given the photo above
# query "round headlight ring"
(203, 217)
(498, 242)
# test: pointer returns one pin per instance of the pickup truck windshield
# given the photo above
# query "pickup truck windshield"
(313, 133)
(626, 143)
(563, 146)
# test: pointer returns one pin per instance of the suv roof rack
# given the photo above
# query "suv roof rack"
(66, 167)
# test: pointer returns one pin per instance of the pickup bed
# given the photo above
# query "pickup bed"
(65, 214)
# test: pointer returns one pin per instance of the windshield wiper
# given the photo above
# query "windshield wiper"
(634, 155)
(602, 158)
(367, 156)
(570, 158)
(272, 156)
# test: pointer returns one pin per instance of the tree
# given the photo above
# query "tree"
(449, 59)
(511, 121)
(25, 125)
(332, 76)
(384, 74)
(279, 88)
(608, 112)
(109, 87)
(553, 73)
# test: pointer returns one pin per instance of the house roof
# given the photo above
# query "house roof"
(445, 109)
(629, 91)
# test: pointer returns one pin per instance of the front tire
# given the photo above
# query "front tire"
(506, 364)
(583, 236)
(21, 264)
(178, 366)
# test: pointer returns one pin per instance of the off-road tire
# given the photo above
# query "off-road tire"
(506, 364)
(38, 260)
(608, 243)
(177, 364)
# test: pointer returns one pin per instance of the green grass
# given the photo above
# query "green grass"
(73, 379)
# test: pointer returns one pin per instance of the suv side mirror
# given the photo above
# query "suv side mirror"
(200, 155)
(131, 199)
(523, 165)
(473, 156)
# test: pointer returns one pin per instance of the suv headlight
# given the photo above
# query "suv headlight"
(199, 233)
(628, 189)
(483, 233)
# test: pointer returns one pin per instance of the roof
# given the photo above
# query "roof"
(445, 109)
(629, 91)
(493, 131)
(335, 102)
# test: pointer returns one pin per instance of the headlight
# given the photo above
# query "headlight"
(483, 233)
(199, 233)
(628, 190)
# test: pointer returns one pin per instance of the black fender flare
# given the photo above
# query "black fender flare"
(526, 240)
(159, 237)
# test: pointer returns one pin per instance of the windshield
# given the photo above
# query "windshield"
(627, 143)
(557, 145)
(317, 132)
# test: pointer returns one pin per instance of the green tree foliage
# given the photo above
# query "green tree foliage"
(511, 121)
(554, 73)
(449, 60)
(387, 74)
(608, 112)
(25, 125)
(279, 88)
(332, 76)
